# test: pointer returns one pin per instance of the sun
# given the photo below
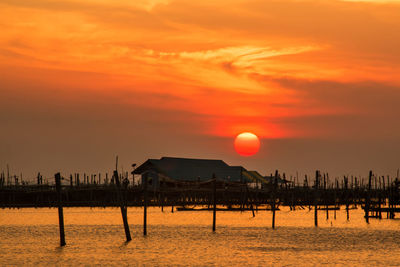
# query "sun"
(247, 144)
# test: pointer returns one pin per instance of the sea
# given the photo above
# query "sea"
(95, 236)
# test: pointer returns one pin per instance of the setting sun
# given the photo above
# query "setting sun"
(247, 144)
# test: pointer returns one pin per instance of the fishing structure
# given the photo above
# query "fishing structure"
(211, 185)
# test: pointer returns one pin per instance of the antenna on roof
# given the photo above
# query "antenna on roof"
(116, 163)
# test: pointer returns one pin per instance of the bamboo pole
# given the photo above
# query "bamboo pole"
(8, 175)
(145, 206)
(346, 186)
(122, 206)
(214, 201)
(274, 188)
(60, 209)
(367, 198)
(326, 197)
(316, 198)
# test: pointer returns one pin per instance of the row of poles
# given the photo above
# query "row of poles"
(77, 179)
(7, 179)
(274, 198)
(375, 182)
(123, 207)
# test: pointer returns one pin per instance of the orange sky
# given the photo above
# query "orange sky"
(130, 77)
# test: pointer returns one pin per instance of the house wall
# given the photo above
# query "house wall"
(153, 180)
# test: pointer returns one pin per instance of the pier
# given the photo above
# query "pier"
(377, 197)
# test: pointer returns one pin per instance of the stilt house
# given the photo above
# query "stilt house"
(169, 171)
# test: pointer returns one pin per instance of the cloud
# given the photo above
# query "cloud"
(283, 69)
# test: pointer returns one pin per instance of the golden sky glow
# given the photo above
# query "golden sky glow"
(280, 69)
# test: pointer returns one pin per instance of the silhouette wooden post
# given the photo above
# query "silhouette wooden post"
(346, 187)
(123, 207)
(160, 195)
(252, 208)
(335, 201)
(241, 200)
(326, 197)
(60, 209)
(251, 201)
(316, 198)
(393, 189)
(274, 188)
(214, 201)
(380, 206)
(8, 175)
(145, 205)
(367, 198)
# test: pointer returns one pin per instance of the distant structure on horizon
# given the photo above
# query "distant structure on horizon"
(168, 171)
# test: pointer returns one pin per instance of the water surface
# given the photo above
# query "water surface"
(96, 237)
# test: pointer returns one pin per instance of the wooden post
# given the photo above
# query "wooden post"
(380, 206)
(214, 201)
(123, 208)
(326, 198)
(60, 209)
(145, 206)
(162, 201)
(241, 200)
(8, 175)
(251, 200)
(346, 187)
(391, 199)
(367, 198)
(316, 198)
(334, 212)
(274, 187)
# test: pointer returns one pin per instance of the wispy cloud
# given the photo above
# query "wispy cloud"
(257, 65)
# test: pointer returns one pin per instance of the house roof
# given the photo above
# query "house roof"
(192, 169)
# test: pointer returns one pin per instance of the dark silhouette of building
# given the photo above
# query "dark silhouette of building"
(169, 171)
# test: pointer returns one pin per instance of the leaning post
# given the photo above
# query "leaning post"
(60, 209)
(123, 207)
